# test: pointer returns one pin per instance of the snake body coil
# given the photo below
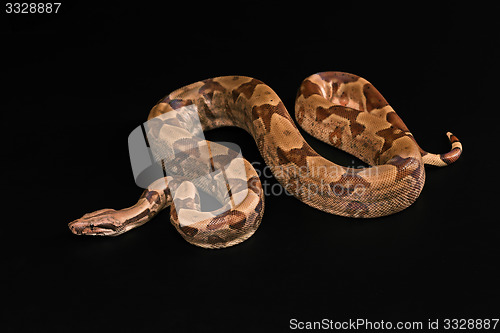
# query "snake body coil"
(338, 108)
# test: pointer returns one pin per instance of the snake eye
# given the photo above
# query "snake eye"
(91, 226)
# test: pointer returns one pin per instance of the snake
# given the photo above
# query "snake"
(341, 109)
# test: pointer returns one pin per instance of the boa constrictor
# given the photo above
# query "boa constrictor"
(338, 108)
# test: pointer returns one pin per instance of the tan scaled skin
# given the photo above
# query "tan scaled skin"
(338, 108)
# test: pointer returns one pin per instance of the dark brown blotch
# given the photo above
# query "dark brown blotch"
(210, 87)
(408, 166)
(254, 184)
(226, 219)
(308, 89)
(204, 109)
(344, 112)
(348, 183)
(177, 103)
(239, 220)
(374, 99)
(141, 215)
(189, 231)
(246, 89)
(357, 209)
(451, 156)
(214, 239)
(151, 196)
(110, 226)
(266, 111)
(396, 121)
(298, 156)
(389, 135)
(260, 206)
(453, 139)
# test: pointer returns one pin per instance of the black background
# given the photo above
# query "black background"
(76, 83)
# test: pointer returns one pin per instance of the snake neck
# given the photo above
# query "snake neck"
(149, 204)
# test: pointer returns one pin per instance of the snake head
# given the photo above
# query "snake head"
(102, 222)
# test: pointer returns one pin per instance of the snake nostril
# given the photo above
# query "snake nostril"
(73, 227)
